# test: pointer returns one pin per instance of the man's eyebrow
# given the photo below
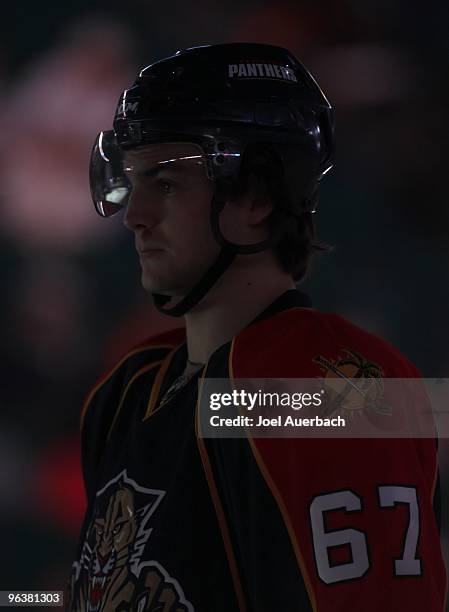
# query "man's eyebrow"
(159, 168)
(154, 171)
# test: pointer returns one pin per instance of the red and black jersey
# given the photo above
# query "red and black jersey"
(177, 522)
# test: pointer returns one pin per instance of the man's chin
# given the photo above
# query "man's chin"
(151, 285)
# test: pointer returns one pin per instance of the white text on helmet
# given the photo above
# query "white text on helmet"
(264, 71)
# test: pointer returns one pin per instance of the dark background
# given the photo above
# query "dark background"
(71, 297)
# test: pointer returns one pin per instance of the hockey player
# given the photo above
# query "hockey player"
(216, 156)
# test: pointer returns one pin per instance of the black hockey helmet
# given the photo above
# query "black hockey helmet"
(222, 98)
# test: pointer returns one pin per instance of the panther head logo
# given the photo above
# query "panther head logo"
(115, 541)
(115, 529)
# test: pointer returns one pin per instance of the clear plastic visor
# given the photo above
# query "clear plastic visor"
(113, 172)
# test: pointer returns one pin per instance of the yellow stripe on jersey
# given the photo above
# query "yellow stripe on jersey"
(217, 505)
(278, 498)
(111, 372)
(139, 373)
(158, 382)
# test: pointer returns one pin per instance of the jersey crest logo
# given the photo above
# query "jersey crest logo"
(109, 575)
(349, 396)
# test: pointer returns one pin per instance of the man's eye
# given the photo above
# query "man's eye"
(166, 186)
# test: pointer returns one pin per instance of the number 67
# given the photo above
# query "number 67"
(389, 495)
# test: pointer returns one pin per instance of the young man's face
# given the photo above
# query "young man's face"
(168, 211)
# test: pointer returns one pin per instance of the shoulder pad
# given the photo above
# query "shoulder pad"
(303, 343)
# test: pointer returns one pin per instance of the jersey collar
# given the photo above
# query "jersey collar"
(293, 298)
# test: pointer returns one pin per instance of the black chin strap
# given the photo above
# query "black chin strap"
(209, 278)
(226, 256)
(223, 261)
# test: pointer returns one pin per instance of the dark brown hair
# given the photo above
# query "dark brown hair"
(262, 172)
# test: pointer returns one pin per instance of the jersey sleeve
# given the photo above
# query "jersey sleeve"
(328, 524)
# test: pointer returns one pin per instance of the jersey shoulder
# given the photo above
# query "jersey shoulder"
(303, 342)
(146, 354)
(104, 399)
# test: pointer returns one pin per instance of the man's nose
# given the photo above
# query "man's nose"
(139, 211)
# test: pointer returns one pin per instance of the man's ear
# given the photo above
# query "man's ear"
(259, 202)
(244, 218)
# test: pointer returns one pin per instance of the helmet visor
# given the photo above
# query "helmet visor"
(109, 185)
(114, 172)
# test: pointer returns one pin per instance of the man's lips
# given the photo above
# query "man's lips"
(149, 251)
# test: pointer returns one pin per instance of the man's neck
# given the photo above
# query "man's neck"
(231, 305)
